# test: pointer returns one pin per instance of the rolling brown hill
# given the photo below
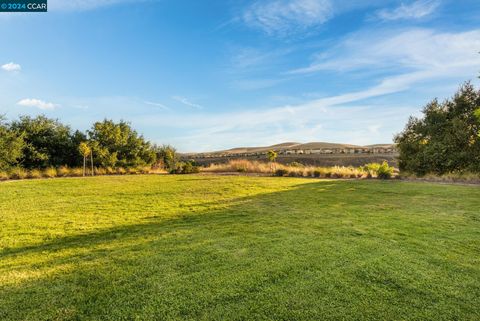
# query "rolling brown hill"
(289, 146)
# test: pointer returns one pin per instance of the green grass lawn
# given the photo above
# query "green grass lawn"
(238, 248)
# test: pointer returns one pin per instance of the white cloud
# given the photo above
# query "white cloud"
(186, 102)
(416, 10)
(413, 50)
(37, 103)
(11, 67)
(282, 17)
(332, 118)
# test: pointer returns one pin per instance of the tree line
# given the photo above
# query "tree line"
(445, 140)
(41, 142)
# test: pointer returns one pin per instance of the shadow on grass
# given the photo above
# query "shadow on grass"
(313, 252)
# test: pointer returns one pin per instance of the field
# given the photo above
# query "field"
(313, 160)
(237, 248)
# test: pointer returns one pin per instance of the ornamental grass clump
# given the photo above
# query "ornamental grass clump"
(3, 176)
(17, 173)
(63, 171)
(50, 172)
(35, 173)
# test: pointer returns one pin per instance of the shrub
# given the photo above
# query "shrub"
(50, 172)
(144, 169)
(63, 171)
(17, 173)
(371, 169)
(186, 168)
(121, 171)
(3, 176)
(281, 172)
(110, 171)
(132, 170)
(76, 172)
(34, 173)
(100, 171)
(317, 173)
(385, 171)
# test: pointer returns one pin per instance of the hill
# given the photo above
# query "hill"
(283, 147)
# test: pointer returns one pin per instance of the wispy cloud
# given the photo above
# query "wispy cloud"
(412, 49)
(186, 102)
(341, 118)
(428, 59)
(37, 103)
(11, 67)
(161, 106)
(283, 17)
(415, 10)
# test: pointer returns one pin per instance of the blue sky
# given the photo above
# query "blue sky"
(208, 75)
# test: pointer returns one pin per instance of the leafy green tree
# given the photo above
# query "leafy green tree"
(446, 138)
(118, 145)
(167, 157)
(47, 142)
(85, 151)
(11, 146)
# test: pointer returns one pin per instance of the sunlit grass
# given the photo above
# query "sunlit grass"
(204, 247)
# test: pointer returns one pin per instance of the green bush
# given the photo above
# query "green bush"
(185, 168)
(190, 168)
(385, 171)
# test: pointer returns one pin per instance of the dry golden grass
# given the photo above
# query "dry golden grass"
(242, 166)
(64, 171)
(50, 172)
(293, 170)
(465, 177)
(34, 173)
(3, 175)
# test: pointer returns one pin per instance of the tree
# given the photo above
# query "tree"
(167, 157)
(272, 156)
(11, 146)
(446, 139)
(85, 151)
(117, 144)
(47, 142)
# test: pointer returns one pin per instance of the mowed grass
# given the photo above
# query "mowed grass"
(238, 248)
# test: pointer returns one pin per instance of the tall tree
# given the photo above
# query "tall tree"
(11, 146)
(47, 142)
(117, 144)
(446, 138)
